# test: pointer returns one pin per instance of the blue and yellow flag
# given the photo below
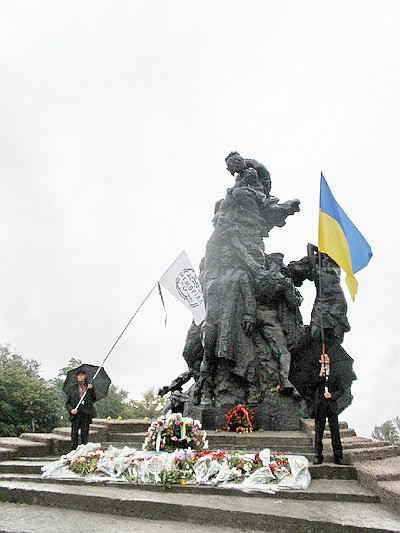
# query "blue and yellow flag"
(340, 239)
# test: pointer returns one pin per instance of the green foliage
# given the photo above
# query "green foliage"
(27, 402)
(151, 406)
(389, 431)
(169, 477)
(72, 363)
(115, 404)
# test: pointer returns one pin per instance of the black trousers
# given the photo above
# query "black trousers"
(320, 422)
(80, 421)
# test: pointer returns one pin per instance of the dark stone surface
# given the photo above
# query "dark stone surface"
(253, 347)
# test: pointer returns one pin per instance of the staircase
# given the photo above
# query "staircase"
(359, 497)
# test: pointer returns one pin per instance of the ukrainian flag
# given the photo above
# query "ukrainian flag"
(340, 239)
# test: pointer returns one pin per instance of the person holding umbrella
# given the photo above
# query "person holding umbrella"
(81, 395)
(80, 416)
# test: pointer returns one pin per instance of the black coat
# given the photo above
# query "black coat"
(86, 406)
(318, 405)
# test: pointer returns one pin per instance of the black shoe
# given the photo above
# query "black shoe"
(318, 460)
(338, 461)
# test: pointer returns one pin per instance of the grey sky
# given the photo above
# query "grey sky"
(116, 118)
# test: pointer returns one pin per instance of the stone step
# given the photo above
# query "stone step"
(361, 442)
(319, 489)
(260, 439)
(389, 493)
(126, 437)
(383, 477)
(32, 465)
(307, 425)
(123, 426)
(28, 466)
(343, 433)
(261, 512)
(307, 452)
(6, 453)
(66, 431)
(29, 447)
(387, 469)
(371, 453)
(217, 445)
(36, 519)
(20, 467)
(332, 471)
(226, 440)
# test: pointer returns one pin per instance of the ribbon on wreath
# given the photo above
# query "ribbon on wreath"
(245, 413)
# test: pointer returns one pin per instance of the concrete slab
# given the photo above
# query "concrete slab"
(389, 492)
(261, 513)
(380, 470)
(354, 455)
(6, 453)
(17, 518)
(319, 490)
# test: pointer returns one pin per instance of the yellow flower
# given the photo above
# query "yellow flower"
(109, 418)
(146, 418)
(120, 418)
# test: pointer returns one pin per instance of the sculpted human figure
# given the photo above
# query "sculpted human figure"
(253, 337)
(275, 304)
(234, 271)
(330, 307)
(246, 215)
(230, 320)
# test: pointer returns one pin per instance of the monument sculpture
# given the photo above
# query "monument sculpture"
(253, 347)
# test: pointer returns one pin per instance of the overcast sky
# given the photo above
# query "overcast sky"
(116, 117)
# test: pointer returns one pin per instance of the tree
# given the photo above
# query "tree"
(389, 431)
(115, 404)
(27, 402)
(150, 406)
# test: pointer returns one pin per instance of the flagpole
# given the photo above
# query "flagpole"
(126, 327)
(321, 300)
(115, 343)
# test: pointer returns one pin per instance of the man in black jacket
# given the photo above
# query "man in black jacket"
(322, 396)
(81, 417)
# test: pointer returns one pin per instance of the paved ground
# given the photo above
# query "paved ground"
(20, 518)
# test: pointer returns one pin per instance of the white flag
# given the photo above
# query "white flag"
(181, 281)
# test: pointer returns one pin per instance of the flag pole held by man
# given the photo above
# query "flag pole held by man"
(339, 238)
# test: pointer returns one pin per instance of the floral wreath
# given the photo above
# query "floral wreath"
(239, 419)
(173, 431)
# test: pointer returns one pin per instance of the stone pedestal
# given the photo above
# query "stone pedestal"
(275, 413)
(279, 413)
(206, 415)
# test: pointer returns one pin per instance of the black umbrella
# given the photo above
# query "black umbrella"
(101, 380)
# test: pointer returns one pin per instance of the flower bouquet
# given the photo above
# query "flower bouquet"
(279, 466)
(173, 431)
(86, 464)
(264, 471)
(239, 419)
